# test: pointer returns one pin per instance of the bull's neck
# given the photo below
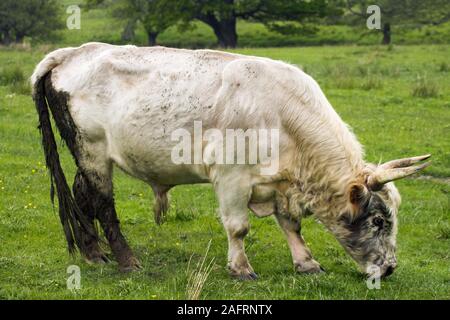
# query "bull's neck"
(328, 157)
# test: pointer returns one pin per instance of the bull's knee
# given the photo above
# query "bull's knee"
(237, 227)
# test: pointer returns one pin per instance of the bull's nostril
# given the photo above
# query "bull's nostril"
(389, 271)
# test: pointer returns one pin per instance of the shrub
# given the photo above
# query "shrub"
(345, 82)
(29, 18)
(425, 88)
(11, 75)
(14, 78)
(444, 233)
(371, 82)
(22, 87)
(362, 70)
(443, 67)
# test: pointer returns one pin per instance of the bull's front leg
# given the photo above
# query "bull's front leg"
(301, 255)
(237, 227)
(233, 196)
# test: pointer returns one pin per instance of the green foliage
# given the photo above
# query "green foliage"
(412, 13)
(37, 19)
(154, 15)
(285, 17)
(403, 13)
(13, 76)
(444, 67)
(297, 17)
(444, 233)
(371, 82)
(98, 24)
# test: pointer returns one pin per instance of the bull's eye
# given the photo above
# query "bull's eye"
(379, 222)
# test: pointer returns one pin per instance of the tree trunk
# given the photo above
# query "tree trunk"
(151, 36)
(228, 35)
(6, 39)
(19, 38)
(128, 32)
(386, 33)
(225, 31)
(224, 28)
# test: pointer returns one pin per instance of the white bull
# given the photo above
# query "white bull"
(121, 105)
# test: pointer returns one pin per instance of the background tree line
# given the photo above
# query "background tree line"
(40, 19)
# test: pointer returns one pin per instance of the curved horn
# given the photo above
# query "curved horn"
(406, 162)
(395, 170)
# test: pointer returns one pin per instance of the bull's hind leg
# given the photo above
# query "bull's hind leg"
(161, 205)
(301, 255)
(83, 196)
(106, 214)
(98, 176)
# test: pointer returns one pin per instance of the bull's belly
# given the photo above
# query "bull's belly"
(154, 173)
(141, 144)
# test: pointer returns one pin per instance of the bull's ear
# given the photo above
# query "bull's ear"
(359, 194)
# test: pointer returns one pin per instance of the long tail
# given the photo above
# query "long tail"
(72, 219)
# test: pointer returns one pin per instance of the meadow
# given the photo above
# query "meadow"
(397, 100)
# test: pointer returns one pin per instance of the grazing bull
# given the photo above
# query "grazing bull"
(120, 104)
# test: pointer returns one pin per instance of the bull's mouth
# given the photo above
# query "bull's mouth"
(389, 270)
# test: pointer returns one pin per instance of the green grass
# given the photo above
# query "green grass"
(425, 88)
(388, 119)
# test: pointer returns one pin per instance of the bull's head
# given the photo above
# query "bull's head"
(369, 231)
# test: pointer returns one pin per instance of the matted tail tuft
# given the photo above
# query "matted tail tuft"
(72, 219)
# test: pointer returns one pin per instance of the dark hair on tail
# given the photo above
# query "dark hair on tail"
(72, 219)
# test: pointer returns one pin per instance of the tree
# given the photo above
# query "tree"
(407, 13)
(222, 15)
(154, 15)
(28, 18)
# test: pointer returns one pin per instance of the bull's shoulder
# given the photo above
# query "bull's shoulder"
(259, 71)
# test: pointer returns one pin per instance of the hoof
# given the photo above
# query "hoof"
(131, 265)
(244, 274)
(246, 277)
(309, 267)
(97, 258)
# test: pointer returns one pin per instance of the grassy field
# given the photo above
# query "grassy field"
(397, 99)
